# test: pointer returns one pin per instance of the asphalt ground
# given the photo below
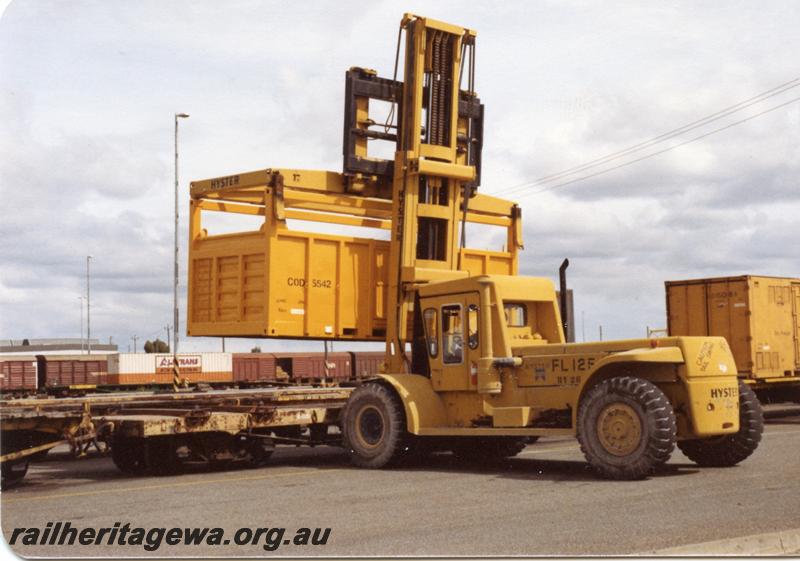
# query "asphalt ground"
(544, 502)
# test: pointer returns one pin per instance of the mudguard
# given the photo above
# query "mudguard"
(659, 355)
(650, 356)
(423, 406)
(708, 375)
(671, 355)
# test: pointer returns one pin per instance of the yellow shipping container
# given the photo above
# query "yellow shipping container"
(757, 315)
(280, 282)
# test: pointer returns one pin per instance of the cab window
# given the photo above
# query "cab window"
(452, 334)
(516, 314)
(430, 322)
(472, 326)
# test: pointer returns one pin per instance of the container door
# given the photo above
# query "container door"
(796, 323)
(677, 310)
(687, 309)
(728, 317)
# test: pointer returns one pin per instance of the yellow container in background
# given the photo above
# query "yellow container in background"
(757, 315)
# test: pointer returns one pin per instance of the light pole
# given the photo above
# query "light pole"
(175, 280)
(583, 326)
(88, 310)
(80, 299)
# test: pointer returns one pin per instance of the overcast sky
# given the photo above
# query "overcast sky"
(88, 91)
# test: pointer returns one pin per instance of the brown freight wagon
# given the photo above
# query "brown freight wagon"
(18, 374)
(64, 371)
(257, 367)
(304, 367)
(757, 315)
(368, 363)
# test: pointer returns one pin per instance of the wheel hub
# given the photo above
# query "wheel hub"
(619, 429)
(371, 426)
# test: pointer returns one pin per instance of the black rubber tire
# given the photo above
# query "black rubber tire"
(729, 450)
(657, 428)
(488, 449)
(12, 474)
(374, 426)
(128, 455)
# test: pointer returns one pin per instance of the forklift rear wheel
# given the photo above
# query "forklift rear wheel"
(374, 426)
(626, 428)
(730, 449)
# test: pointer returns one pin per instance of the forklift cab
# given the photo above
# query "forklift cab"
(473, 325)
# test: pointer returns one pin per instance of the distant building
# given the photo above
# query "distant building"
(64, 346)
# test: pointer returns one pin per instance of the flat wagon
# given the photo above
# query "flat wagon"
(152, 432)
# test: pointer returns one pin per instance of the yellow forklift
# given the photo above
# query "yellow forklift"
(476, 359)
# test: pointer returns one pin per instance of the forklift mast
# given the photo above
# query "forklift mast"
(436, 169)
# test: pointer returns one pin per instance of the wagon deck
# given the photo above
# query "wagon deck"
(152, 431)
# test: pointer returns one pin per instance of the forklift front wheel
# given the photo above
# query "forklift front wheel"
(373, 426)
